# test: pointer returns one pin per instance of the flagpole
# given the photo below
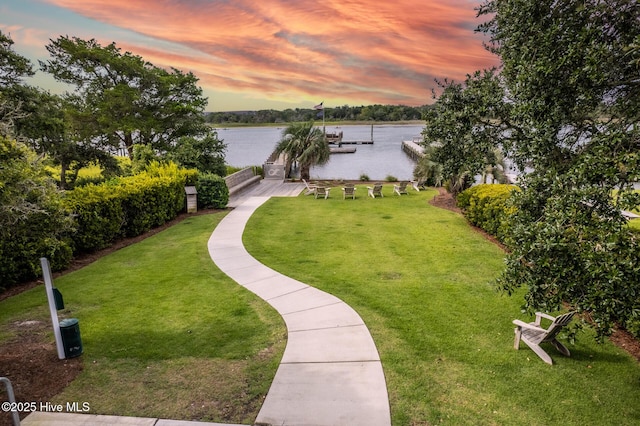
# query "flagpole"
(320, 106)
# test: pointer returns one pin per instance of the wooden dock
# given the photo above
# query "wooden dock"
(267, 188)
(343, 150)
(413, 148)
(356, 143)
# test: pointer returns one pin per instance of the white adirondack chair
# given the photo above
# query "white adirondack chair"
(533, 334)
(400, 188)
(310, 188)
(375, 190)
(349, 191)
(321, 191)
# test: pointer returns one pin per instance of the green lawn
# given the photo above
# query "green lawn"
(166, 334)
(422, 280)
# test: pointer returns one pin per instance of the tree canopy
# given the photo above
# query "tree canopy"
(564, 107)
(126, 100)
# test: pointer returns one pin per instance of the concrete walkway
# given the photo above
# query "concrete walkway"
(71, 419)
(330, 373)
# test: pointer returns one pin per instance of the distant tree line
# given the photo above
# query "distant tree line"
(341, 113)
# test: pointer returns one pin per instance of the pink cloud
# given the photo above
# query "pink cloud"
(377, 52)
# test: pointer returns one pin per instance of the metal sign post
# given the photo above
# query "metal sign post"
(48, 282)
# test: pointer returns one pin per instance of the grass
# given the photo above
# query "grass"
(423, 282)
(165, 333)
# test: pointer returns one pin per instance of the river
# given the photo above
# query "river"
(250, 146)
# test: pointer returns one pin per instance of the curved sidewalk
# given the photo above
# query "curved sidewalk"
(330, 373)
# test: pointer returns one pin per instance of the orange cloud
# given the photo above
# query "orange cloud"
(371, 52)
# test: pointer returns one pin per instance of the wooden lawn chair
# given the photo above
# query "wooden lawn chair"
(310, 188)
(533, 334)
(400, 188)
(375, 190)
(418, 184)
(349, 191)
(321, 191)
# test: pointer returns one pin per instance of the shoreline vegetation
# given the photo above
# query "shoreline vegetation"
(222, 126)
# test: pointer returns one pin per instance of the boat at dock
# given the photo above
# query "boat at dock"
(333, 137)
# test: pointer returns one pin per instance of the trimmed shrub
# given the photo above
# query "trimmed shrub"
(486, 206)
(212, 191)
(98, 213)
(127, 206)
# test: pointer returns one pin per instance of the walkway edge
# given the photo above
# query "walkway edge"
(330, 373)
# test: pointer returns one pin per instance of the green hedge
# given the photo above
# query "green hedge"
(212, 191)
(127, 207)
(486, 207)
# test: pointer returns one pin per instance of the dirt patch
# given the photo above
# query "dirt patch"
(445, 200)
(31, 362)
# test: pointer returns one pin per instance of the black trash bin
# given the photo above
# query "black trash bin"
(71, 340)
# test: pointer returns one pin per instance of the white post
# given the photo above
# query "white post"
(48, 283)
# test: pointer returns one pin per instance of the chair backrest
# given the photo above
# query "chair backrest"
(403, 185)
(321, 190)
(349, 190)
(557, 325)
(306, 183)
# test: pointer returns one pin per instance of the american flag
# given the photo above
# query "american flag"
(319, 106)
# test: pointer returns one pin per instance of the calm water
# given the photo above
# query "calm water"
(248, 146)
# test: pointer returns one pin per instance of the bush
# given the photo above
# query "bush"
(212, 191)
(33, 222)
(98, 214)
(127, 206)
(486, 206)
(390, 178)
(364, 177)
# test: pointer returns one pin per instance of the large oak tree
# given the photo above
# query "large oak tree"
(569, 83)
(128, 100)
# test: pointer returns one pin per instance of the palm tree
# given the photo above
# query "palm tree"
(304, 144)
(495, 167)
(428, 170)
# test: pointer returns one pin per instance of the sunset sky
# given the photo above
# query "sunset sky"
(260, 54)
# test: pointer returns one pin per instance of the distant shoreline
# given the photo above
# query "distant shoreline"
(327, 124)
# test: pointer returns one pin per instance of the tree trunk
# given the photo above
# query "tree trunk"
(63, 176)
(128, 143)
(305, 171)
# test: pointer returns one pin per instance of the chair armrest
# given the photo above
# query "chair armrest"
(527, 325)
(540, 315)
